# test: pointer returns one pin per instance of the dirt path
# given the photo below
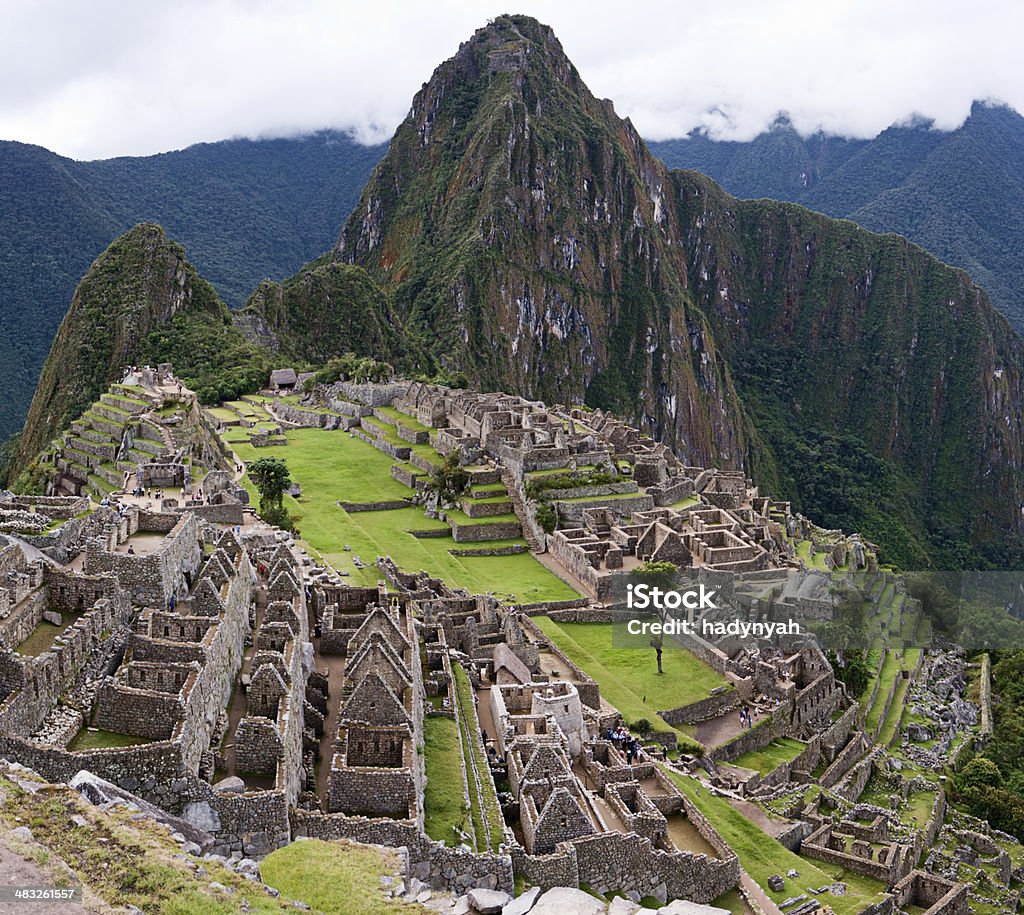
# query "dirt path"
(16, 871)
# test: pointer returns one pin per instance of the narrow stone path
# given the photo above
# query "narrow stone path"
(239, 701)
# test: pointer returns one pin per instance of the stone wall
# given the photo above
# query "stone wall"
(35, 684)
(703, 709)
(854, 749)
(150, 579)
(933, 893)
(628, 862)
(501, 530)
(572, 512)
(758, 737)
(432, 862)
(223, 513)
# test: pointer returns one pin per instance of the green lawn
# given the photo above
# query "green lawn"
(815, 560)
(628, 676)
(761, 856)
(779, 751)
(335, 878)
(332, 466)
(444, 803)
(96, 739)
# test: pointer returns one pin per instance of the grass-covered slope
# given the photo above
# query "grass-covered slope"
(128, 863)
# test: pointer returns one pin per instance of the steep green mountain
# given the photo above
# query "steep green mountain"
(324, 310)
(245, 210)
(528, 237)
(141, 301)
(960, 194)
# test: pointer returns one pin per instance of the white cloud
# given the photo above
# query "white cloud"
(116, 77)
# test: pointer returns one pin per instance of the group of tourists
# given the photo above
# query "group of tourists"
(745, 718)
(626, 742)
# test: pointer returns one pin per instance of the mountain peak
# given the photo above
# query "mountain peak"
(511, 56)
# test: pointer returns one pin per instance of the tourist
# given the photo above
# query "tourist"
(131, 550)
(172, 601)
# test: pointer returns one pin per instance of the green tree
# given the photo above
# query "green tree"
(451, 478)
(851, 669)
(272, 479)
(979, 773)
(656, 575)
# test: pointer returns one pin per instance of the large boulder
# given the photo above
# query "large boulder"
(523, 903)
(488, 902)
(563, 900)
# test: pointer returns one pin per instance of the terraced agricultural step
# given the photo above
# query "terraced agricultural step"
(102, 424)
(99, 486)
(105, 452)
(110, 474)
(125, 404)
(148, 446)
(114, 414)
(85, 431)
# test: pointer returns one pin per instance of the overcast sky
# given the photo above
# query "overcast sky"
(131, 77)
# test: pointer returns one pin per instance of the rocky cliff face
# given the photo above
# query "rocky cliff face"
(138, 284)
(528, 237)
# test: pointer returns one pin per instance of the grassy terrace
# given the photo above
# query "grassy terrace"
(610, 497)
(331, 876)
(761, 856)
(813, 560)
(628, 673)
(462, 519)
(538, 474)
(779, 751)
(444, 805)
(399, 417)
(332, 466)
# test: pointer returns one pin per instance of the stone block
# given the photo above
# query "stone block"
(566, 901)
(522, 904)
(488, 902)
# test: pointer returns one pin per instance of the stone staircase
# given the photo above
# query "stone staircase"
(531, 531)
